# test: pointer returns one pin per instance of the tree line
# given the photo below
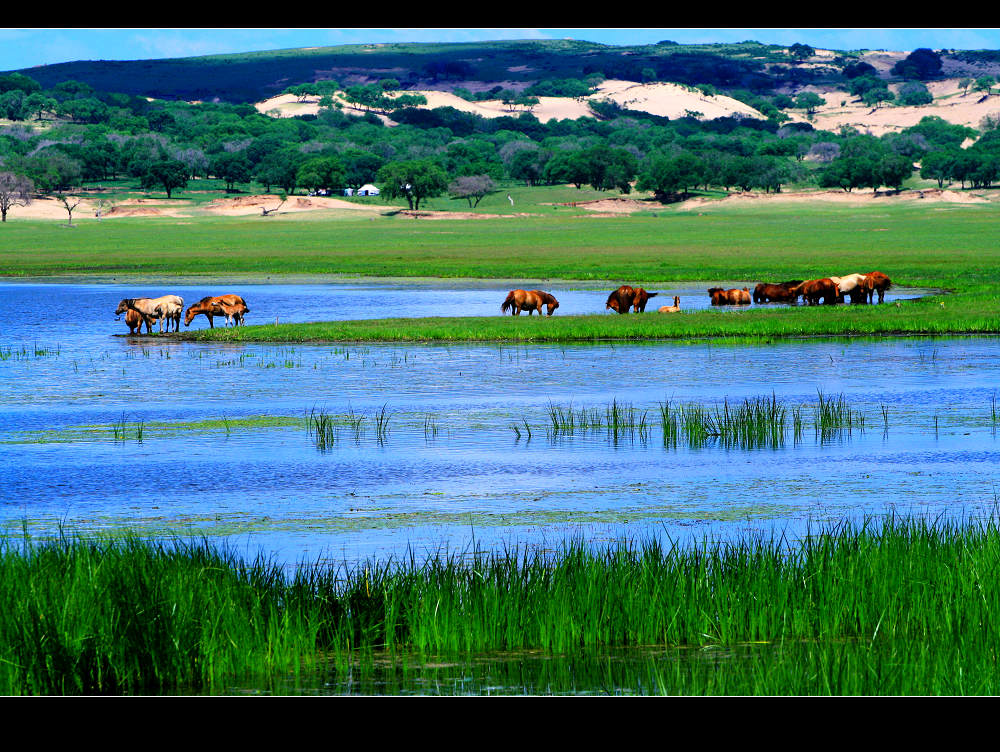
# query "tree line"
(71, 135)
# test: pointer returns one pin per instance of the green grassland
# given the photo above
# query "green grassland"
(944, 247)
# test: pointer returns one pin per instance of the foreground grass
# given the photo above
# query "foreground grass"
(899, 607)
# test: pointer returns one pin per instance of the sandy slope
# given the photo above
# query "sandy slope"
(669, 100)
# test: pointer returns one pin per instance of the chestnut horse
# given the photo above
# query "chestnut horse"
(876, 281)
(621, 299)
(675, 308)
(232, 307)
(528, 300)
(134, 321)
(814, 289)
(641, 298)
(781, 292)
(729, 297)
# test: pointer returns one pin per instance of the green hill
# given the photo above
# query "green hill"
(253, 76)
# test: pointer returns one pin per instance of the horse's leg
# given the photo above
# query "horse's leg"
(210, 324)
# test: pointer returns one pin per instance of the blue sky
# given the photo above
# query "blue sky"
(25, 47)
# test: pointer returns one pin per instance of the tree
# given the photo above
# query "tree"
(984, 83)
(70, 204)
(15, 190)
(231, 167)
(169, 173)
(800, 51)
(321, 174)
(921, 64)
(671, 174)
(914, 93)
(473, 188)
(809, 101)
(414, 180)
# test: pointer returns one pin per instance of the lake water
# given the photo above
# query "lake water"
(455, 467)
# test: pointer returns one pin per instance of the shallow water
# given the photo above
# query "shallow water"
(451, 472)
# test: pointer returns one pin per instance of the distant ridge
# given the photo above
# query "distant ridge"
(254, 76)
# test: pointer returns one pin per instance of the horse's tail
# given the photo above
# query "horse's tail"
(508, 303)
(652, 294)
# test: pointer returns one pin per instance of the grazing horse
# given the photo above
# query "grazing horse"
(853, 285)
(876, 281)
(675, 308)
(641, 298)
(232, 307)
(621, 299)
(781, 292)
(729, 297)
(528, 300)
(814, 289)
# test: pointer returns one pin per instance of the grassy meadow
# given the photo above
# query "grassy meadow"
(941, 246)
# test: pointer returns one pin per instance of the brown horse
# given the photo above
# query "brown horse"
(528, 300)
(675, 308)
(134, 321)
(779, 293)
(876, 282)
(729, 297)
(621, 299)
(233, 307)
(641, 298)
(814, 289)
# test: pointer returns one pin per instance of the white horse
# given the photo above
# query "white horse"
(167, 307)
(853, 285)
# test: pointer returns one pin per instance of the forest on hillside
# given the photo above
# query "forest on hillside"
(59, 138)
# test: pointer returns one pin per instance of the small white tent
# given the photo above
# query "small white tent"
(367, 190)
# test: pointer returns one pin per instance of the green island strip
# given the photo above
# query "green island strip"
(881, 606)
(935, 315)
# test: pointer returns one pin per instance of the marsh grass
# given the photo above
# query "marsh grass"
(878, 606)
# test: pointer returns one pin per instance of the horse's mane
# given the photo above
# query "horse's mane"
(205, 299)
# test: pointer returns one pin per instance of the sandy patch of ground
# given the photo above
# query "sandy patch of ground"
(950, 104)
(854, 198)
(240, 205)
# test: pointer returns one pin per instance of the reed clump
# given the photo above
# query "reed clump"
(891, 606)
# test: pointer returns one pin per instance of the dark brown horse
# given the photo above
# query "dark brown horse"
(621, 299)
(641, 298)
(729, 297)
(814, 289)
(530, 301)
(781, 292)
(233, 307)
(876, 282)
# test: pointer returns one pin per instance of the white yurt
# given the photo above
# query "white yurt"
(367, 190)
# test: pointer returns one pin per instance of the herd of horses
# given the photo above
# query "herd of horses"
(168, 308)
(861, 288)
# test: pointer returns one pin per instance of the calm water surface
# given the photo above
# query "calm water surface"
(450, 472)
